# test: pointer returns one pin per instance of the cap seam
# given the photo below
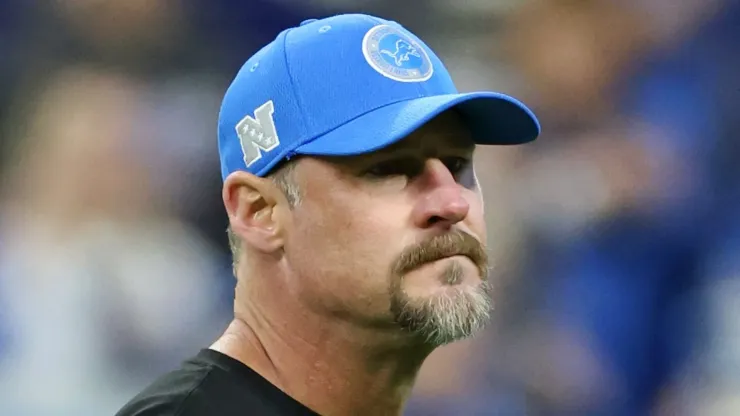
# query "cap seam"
(296, 96)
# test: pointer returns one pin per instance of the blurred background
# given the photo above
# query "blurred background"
(616, 236)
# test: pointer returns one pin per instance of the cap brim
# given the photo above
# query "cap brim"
(493, 118)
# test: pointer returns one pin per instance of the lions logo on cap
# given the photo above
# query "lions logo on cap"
(396, 55)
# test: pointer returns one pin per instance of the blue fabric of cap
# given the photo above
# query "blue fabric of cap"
(345, 85)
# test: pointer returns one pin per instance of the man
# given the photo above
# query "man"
(356, 221)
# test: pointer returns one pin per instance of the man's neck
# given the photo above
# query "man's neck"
(325, 367)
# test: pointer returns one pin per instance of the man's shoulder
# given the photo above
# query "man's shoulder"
(212, 384)
(172, 394)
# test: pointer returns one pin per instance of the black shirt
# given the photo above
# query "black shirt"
(213, 384)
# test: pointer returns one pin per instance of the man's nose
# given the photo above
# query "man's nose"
(441, 203)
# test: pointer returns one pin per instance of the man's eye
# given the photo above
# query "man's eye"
(400, 167)
(462, 169)
(456, 165)
(411, 168)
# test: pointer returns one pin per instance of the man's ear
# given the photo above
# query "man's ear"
(250, 203)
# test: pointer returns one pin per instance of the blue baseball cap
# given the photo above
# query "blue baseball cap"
(346, 85)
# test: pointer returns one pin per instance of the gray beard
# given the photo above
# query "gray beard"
(457, 314)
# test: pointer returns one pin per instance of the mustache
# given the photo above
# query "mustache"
(454, 243)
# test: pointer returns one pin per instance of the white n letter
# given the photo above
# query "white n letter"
(258, 134)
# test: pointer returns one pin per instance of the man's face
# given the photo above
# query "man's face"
(396, 237)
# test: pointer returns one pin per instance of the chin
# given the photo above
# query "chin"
(455, 312)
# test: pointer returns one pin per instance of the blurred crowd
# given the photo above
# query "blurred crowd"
(615, 237)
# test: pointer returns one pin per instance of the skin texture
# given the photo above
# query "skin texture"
(340, 298)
